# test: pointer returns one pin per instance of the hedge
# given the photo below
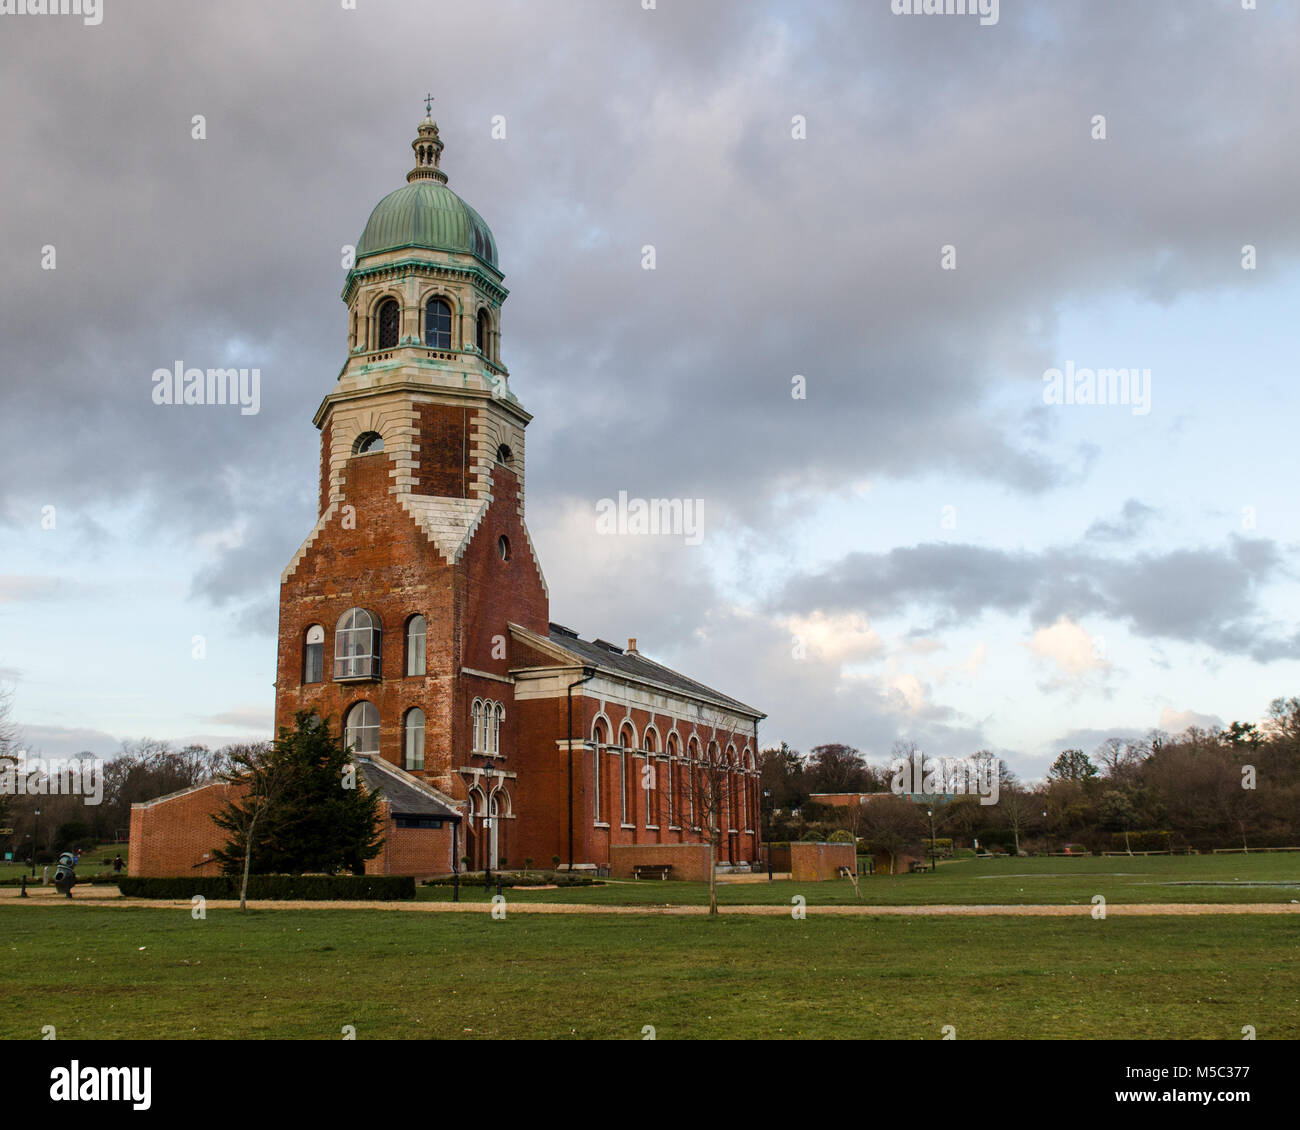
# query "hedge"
(536, 879)
(322, 888)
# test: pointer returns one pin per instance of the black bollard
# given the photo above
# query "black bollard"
(498, 883)
(22, 894)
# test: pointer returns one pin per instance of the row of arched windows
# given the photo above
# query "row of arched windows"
(438, 324)
(486, 718)
(358, 647)
(361, 732)
(676, 787)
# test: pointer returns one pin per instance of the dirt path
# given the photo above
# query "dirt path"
(48, 897)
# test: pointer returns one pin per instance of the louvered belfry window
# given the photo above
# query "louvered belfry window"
(389, 317)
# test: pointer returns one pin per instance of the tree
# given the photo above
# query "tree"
(303, 808)
(1015, 805)
(891, 824)
(1072, 765)
(781, 772)
(837, 768)
(706, 794)
(8, 747)
(1117, 812)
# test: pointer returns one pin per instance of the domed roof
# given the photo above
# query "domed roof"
(426, 213)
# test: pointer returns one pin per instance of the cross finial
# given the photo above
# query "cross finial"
(428, 102)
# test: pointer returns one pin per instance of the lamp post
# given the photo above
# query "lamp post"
(930, 813)
(767, 829)
(1049, 842)
(36, 832)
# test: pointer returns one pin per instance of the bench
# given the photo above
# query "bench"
(651, 870)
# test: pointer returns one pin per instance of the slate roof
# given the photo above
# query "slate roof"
(608, 657)
(406, 795)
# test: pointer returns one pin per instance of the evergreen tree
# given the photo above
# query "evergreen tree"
(303, 810)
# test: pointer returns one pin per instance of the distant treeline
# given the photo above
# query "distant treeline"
(1203, 789)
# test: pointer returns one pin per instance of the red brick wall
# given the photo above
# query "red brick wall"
(689, 861)
(814, 862)
(443, 459)
(170, 836)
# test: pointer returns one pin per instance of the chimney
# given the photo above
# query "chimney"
(631, 646)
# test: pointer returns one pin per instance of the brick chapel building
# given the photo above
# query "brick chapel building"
(416, 614)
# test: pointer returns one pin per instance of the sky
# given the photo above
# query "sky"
(873, 235)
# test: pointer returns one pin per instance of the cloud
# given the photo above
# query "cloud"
(1205, 596)
(1132, 520)
(1069, 646)
(1176, 721)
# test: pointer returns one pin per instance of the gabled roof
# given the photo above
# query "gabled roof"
(569, 649)
(406, 795)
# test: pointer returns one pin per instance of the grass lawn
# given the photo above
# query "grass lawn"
(1154, 878)
(111, 973)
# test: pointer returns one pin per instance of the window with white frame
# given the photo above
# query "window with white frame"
(414, 739)
(361, 728)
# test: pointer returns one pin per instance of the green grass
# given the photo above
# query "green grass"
(1151, 879)
(395, 975)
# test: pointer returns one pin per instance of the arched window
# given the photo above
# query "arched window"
(414, 743)
(503, 548)
(477, 714)
(484, 336)
(415, 637)
(357, 645)
(504, 455)
(361, 728)
(498, 712)
(597, 793)
(437, 324)
(368, 442)
(670, 784)
(313, 655)
(389, 318)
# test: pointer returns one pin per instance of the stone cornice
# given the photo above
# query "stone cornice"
(423, 267)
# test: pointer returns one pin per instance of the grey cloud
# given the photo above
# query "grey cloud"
(1208, 596)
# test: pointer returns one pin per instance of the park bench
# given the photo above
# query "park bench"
(651, 870)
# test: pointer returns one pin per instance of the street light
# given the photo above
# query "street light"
(36, 832)
(767, 829)
(930, 813)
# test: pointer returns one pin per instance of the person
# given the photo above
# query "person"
(117, 862)
(45, 877)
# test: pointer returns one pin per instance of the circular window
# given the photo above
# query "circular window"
(503, 547)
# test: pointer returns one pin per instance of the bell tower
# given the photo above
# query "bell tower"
(420, 531)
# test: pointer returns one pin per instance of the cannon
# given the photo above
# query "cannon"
(65, 874)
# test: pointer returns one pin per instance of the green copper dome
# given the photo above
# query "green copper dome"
(426, 213)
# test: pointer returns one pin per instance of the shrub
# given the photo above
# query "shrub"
(323, 888)
(841, 836)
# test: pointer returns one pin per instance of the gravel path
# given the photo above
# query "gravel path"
(48, 897)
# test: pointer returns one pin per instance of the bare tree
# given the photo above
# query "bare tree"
(254, 770)
(706, 795)
(891, 824)
(1015, 805)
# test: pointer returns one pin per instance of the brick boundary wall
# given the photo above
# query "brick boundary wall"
(171, 835)
(689, 861)
(815, 862)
